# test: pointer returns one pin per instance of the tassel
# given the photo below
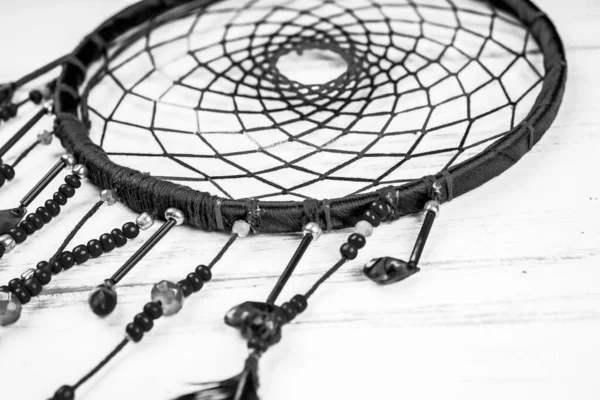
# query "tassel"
(241, 387)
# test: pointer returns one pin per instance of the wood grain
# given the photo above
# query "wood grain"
(507, 304)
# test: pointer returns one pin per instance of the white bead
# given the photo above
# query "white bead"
(45, 137)
(144, 221)
(364, 228)
(68, 160)
(174, 214)
(432, 205)
(241, 228)
(8, 242)
(314, 229)
(109, 197)
(81, 171)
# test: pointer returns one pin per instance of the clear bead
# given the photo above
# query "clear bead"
(169, 295)
(45, 137)
(8, 242)
(10, 307)
(364, 228)
(241, 228)
(144, 221)
(81, 171)
(108, 196)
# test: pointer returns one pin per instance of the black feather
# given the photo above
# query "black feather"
(240, 387)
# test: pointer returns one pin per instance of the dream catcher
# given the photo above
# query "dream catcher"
(277, 116)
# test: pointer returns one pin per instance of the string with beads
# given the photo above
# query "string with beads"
(20, 291)
(167, 300)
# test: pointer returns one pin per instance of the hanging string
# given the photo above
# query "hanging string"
(325, 276)
(155, 310)
(76, 229)
(41, 71)
(102, 363)
(25, 153)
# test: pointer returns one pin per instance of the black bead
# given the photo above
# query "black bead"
(204, 273)
(56, 267)
(372, 217)
(15, 283)
(73, 181)
(44, 214)
(36, 96)
(13, 109)
(143, 321)
(119, 238)
(153, 310)
(81, 254)
(53, 207)
(22, 294)
(348, 251)
(134, 332)
(7, 171)
(42, 265)
(186, 287)
(195, 281)
(44, 275)
(289, 311)
(131, 230)
(36, 221)
(381, 209)
(60, 198)
(66, 259)
(28, 227)
(64, 393)
(299, 302)
(357, 240)
(18, 234)
(95, 248)
(103, 299)
(34, 286)
(107, 242)
(4, 114)
(67, 190)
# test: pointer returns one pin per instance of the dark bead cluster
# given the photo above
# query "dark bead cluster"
(377, 212)
(8, 110)
(25, 289)
(7, 173)
(195, 280)
(144, 321)
(290, 309)
(44, 214)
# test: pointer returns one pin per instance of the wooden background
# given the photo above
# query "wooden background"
(507, 304)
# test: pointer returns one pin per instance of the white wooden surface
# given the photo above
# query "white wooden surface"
(507, 304)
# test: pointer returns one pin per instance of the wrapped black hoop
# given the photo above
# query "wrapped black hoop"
(145, 193)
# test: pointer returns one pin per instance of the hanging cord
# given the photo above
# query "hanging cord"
(152, 311)
(40, 71)
(325, 276)
(76, 229)
(25, 153)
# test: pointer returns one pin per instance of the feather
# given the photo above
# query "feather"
(241, 387)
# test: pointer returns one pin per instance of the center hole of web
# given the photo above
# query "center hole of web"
(312, 66)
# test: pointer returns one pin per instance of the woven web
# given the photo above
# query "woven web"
(294, 99)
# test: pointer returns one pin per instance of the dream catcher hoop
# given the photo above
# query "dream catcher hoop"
(276, 116)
